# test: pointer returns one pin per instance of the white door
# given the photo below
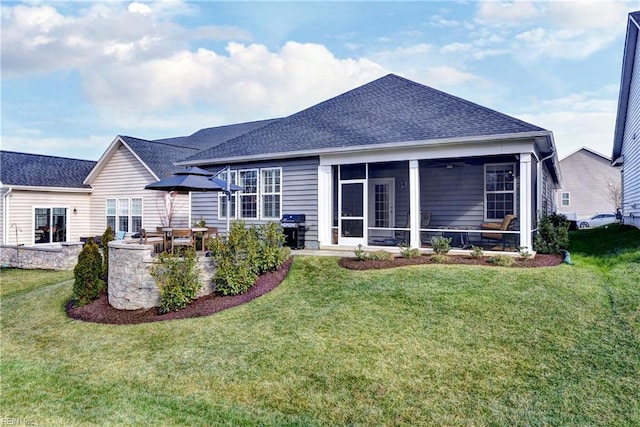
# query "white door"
(382, 206)
(352, 214)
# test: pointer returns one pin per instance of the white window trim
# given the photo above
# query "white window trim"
(222, 195)
(117, 214)
(262, 192)
(484, 183)
(242, 193)
(568, 199)
(235, 179)
(51, 207)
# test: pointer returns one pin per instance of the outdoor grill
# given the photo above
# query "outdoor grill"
(293, 226)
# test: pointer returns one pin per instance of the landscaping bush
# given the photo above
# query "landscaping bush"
(246, 253)
(271, 252)
(407, 251)
(553, 234)
(360, 253)
(87, 274)
(178, 279)
(441, 245)
(502, 260)
(381, 255)
(107, 236)
(476, 252)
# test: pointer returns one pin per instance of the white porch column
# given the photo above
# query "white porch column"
(526, 198)
(414, 202)
(324, 204)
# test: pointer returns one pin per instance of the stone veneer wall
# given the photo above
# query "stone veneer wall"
(131, 287)
(55, 257)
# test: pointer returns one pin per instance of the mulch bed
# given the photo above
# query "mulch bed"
(540, 260)
(99, 311)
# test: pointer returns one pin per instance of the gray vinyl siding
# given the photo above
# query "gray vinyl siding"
(631, 149)
(299, 195)
(586, 177)
(454, 196)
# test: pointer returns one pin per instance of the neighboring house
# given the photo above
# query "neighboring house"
(626, 141)
(44, 199)
(120, 175)
(359, 165)
(590, 185)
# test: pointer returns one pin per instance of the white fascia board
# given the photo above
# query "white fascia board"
(106, 157)
(51, 189)
(387, 147)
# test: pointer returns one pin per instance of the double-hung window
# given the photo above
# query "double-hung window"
(499, 186)
(260, 197)
(248, 180)
(124, 214)
(565, 199)
(223, 208)
(271, 193)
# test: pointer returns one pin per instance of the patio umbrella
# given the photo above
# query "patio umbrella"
(194, 179)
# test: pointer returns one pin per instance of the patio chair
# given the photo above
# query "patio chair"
(182, 237)
(120, 235)
(155, 238)
(425, 219)
(211, 233)
(507, 224)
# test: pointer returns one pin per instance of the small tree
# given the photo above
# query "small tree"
(614, 195)
(178, 279)
(107, 237)
(87, 273)
(553, 234)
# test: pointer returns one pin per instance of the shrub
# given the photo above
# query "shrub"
(553, 234)
(271, 252)
(381, 255)
(502, 260)
(441, 245)
(360, 253)
(87, 274)
(107, 237)
(439, 258)
(236, 258)
(178, 279)
(476, 252)
(407, 251)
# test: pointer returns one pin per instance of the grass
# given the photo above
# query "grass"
(434, 345)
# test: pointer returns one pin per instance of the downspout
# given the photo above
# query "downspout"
(5, 220)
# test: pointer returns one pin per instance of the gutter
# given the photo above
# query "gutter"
(371, 147)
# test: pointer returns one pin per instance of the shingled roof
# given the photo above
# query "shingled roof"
(159, 155)
(387, 110)
(35, 170)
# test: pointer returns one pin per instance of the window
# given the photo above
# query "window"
(124, 214)
(111, 214)
(222, 197)
(249, 195)
(499, 190)
(50, 225)
(271, 193)
(564, 199)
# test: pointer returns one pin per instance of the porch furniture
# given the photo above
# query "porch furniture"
(507, 224)
(199, 235)
(120, 235)
(425, 219)
(182, 237)
(152, 237)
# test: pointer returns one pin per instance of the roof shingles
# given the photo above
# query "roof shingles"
(34, 170)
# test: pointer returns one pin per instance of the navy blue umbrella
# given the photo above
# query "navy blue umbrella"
(192, 179)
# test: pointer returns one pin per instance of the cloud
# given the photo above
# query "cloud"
(442, 77)
(89, 148)
(506, 13)
(579, 119)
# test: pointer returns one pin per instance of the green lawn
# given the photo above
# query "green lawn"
(434, 345)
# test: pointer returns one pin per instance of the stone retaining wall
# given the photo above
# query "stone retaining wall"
(55, 257)
(131, 287)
